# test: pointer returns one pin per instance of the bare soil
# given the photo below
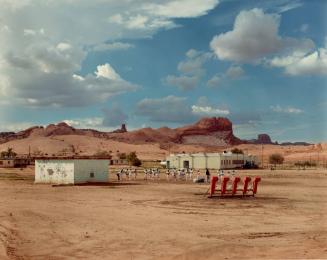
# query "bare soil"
(160, 220)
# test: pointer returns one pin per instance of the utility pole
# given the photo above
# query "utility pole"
(262, 155)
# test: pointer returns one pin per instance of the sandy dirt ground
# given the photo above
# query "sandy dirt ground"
(86, 145)
(161, 220)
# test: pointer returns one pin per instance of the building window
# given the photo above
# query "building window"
(91, 174)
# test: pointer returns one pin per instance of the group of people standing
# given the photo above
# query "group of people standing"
(152, 174)
(126, 173)
(171, 174)
(180, 174)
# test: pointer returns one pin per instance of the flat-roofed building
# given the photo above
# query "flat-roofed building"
(226, 160)
(71, 171)
(14, 162)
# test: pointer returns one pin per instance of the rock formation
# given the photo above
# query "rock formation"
(208, 131)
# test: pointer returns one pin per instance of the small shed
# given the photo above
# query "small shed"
(71, 171)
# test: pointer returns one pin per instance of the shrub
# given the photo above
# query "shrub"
(276, 158)
(133, 160)
(8, 154)
(237, 151)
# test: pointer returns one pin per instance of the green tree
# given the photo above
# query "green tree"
(276, 158)
(9, 153)
(133, 160)
(122, 156)
(237, 151)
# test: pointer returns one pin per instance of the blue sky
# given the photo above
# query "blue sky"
(262, 64)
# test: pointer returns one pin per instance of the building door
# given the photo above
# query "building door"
(168, 164)
(186, 164)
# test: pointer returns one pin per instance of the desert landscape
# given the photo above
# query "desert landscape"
(166, 129)
(206, 135)
(163, 220)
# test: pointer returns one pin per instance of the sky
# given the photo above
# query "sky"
(98, 64)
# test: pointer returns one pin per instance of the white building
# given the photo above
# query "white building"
(209, 160)
(71, 171)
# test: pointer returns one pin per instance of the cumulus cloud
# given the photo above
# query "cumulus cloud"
(114, 46)
(209, 111)
(62, 89)
(182, 8)
(167, 109)
(106, 71)
(41, 58)
(191, 70)
(286, 110)
(234, 72)
(214, 81)
(313, 63)
(193, 65)
(85, 123)
(183, 82)
(114, 116)
(254, 36)
(178, 110)
(204, 108)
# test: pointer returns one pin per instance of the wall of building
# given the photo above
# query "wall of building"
(173, 161)
(213, 162)
(54, 171)
(200, 162)
(7, 163)
(210, 160)
(71, 171)
(91, 171)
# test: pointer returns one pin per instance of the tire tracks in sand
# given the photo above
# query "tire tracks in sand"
(9, 238)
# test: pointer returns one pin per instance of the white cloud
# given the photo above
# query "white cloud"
(255, 36)
(63, 89)
(166, 109)
(183, 82)
(106, 71)
(234, 72)
(63, 46)
(114, 46)
(314, 63)
(41, 57)
(288, 5)
(178, 109)
(209, 111)
(193, 65)
(286, 110)
(182, 8)
(214, 81)
(191, 70)
(203, 107)
(85, 123)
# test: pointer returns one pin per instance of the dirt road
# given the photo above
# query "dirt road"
(160, 220)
